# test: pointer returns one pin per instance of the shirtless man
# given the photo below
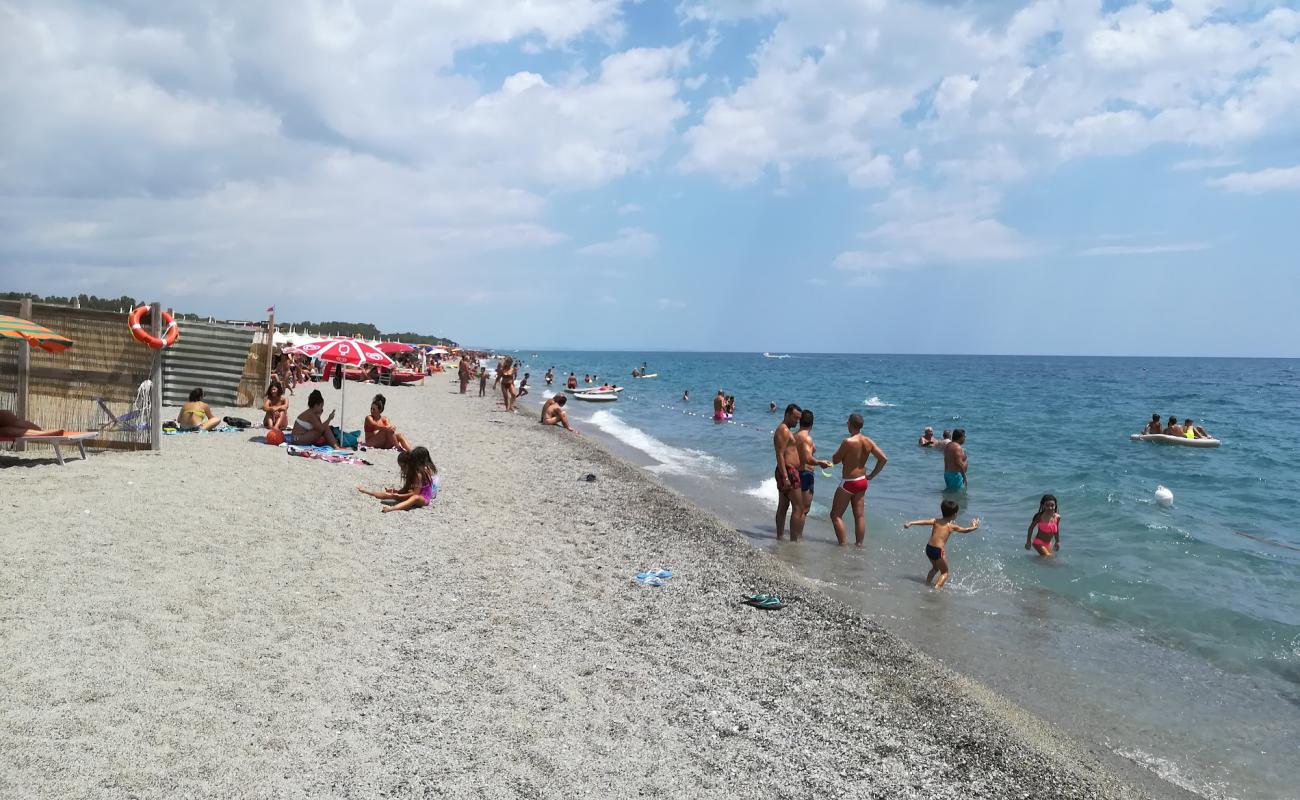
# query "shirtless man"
(808, 460)
(787, 473)
(927, 438)
(572, 383)
(852, 455)
(954, 462)
(553, 412)
(1173, 428)
(550, 375)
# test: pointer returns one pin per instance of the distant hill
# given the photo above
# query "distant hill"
(125, 303)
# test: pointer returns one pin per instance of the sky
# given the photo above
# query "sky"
(895, 176)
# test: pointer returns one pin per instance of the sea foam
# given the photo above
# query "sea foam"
(672, 460)
(875, 402)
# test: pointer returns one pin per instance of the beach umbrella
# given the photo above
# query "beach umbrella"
(35, 335)
(344, 353)
(394, 347)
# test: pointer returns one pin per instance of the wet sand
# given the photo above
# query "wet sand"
(222, 620)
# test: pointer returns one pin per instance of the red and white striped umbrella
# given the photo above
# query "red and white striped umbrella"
(348, 352)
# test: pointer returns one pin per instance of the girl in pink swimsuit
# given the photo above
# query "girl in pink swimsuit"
(1044, 527)
(420, 482)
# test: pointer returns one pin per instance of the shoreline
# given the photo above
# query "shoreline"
(346, 646)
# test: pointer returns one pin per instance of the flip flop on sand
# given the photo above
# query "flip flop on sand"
(765, 602)
(656, 577)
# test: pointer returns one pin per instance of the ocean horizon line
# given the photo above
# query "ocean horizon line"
(572, 349)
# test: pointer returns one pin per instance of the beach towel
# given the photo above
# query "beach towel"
(324, 453)
(174, 431)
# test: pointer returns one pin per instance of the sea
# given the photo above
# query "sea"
(1168, 637)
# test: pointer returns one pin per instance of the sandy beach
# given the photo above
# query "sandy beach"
(222, 620)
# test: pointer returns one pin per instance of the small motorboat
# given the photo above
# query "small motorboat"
(1178, 441)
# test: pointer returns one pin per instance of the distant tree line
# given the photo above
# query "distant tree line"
(126, 303)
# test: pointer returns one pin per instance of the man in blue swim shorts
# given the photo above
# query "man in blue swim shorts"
(954, 462)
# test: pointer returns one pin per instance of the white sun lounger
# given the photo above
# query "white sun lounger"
(79, 439)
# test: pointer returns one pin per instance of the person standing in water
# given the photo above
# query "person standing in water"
(936, 549)
(955, 462)
(1048, 524)
(572, 382)
(787, 473)
(686, 395)
(852, 454)
(808, 460)
(719, 412)
(550, 375)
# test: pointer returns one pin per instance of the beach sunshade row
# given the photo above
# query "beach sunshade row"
(35, 335)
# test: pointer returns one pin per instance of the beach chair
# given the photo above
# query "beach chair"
(79, 439)
(133, 420)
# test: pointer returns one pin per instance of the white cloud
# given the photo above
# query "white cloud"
(1197, 164)
(630, 243)
(669, 304)
(1145, 249)
(306, 140)
(922, 229)
(1264, 180)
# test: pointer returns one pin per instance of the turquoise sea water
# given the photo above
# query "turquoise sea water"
(1169, 636)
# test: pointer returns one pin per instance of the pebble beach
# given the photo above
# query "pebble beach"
(221, 620)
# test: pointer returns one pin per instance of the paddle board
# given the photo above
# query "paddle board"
(1180, 441)
(651, 375)
(596, 397)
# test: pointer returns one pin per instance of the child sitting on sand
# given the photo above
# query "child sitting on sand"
(1048, 523)
(419, 483)
(940, 530)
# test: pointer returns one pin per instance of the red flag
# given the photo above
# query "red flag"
(270, 309)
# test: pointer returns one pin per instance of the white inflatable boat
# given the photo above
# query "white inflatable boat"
(596, 397)
(1180, 441)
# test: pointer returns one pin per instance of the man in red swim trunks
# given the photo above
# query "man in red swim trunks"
(853, 454)
(787, 475)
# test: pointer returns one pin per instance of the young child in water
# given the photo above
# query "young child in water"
(1048, 523)
(940, 529)
(420, 482)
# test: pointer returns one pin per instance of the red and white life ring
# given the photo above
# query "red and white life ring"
(170, 334)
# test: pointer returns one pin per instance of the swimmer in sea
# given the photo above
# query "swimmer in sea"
(572, 382)
(550, 375)
(927, 438)
(787, 473)
(771, 408)
(686, 395)
(719, 412)
(937, 548)
(1048, 524)
(955, 462)
(852, 454)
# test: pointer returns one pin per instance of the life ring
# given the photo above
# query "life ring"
(170, 334)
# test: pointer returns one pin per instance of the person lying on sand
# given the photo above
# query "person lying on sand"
(937, 548)
(379, 431)
(309, 428)
(12, 427)
(196, 414)
(553, 412)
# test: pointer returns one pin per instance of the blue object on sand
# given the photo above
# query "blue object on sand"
(655, 577)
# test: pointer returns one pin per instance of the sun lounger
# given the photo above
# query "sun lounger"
(79, 439)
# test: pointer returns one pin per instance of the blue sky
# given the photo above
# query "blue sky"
(846, 175)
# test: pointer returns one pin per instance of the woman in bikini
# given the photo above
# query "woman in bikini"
(1048, 525)
(196, 414)
(309, 428)
(507, 376)
(380, 432)
(12, 427)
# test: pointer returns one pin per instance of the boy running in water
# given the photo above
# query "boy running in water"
(937, 548)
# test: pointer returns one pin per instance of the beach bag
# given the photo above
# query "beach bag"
(349, 439)
(237, 422)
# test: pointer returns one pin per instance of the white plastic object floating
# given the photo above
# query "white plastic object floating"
(1164, 497)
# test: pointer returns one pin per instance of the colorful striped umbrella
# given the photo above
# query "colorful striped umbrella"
(35, 335)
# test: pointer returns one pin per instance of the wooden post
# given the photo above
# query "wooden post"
(23, 386)
(270, 349)
(156, 380)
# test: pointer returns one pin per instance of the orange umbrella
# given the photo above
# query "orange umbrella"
(35, 335)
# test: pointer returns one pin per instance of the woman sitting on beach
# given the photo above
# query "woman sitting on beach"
(419, 483)
(12, 427)
(380, 432)
(196, 414)
(276, 406)
(309, 428)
